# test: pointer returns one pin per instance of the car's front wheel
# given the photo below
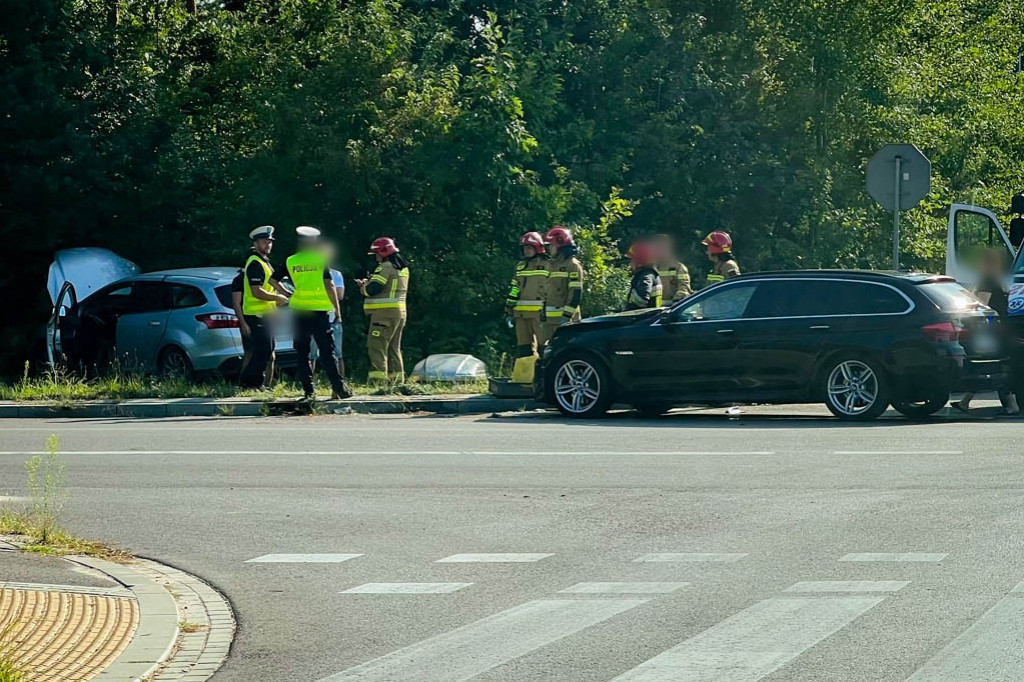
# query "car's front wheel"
(855, 389)
(582, 387)
(921, 409)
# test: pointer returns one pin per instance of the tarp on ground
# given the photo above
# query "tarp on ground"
(449, 367)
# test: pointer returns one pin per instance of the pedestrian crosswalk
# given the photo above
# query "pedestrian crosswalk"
(757, 639)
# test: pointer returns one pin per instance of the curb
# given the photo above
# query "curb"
(157, 633)
(166, 598)
(203, 407)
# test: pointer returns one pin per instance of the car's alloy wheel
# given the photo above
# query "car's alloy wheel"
(174, 363)
(581, 388)
(854, 389)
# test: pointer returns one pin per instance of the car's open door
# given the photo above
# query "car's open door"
(972, 230)
(63, 325)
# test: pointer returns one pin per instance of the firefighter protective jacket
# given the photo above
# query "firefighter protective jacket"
(644, 289)
(526, 295)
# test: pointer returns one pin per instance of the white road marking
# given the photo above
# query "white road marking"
(478, 647)
(690, 558)
(989, 650)
(753, 643)
(492, 558)
(1018, 588)
(302, 558)
(849, 586)
(623, 588)
(409, 453)
(406, 588)
(894, 556)
(897, 452)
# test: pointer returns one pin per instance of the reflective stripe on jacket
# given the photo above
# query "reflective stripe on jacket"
(394, 289)
(675, 281)
(644, 289)
(527, 292)
(564, 287)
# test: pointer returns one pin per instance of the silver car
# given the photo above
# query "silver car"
(170, 322)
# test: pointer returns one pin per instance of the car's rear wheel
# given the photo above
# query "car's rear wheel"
(582, 387)
(922, 409)
(174, 362)
(855, 388)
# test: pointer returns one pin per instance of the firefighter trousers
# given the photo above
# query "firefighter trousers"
(384, 346)
(531, 335)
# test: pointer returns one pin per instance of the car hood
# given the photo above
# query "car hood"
(88, 269)
(618, 319)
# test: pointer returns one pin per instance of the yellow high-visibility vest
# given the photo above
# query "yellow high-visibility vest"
(250, 304)
(306, 269)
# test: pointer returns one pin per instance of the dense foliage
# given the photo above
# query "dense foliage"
(166, 129)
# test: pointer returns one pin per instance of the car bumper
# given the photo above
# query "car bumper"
(979, 375)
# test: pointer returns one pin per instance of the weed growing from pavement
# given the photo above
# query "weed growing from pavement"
(188, 628)
(38, 527)
(10, 669)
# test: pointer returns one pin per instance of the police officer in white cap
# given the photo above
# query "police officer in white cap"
(313, 302)
(261, 297)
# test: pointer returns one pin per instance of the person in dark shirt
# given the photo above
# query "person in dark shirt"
(991, 291)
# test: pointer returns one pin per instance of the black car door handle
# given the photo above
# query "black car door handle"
(725, 331)
(821, 327)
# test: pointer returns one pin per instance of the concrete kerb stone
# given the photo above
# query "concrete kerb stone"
(157, 633)
(204, 407)
(167, 597)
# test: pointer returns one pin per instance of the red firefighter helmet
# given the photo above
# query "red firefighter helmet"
(560, 236)
(642, 253)
(533, 239)
(718, 242)
(383, 247)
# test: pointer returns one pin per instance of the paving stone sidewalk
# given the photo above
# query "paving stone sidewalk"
(79, 618)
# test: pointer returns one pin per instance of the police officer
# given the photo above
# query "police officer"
(312, 303)
(675, 277)
(719, 249)
(386, 291)
(525, 303)
(261, 297)
(564, 289)
(645, 287)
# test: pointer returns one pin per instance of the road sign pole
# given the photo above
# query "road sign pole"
(896, 216)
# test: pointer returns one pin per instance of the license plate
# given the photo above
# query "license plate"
(985, 343)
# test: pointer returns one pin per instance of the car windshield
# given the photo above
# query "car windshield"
(950, 296)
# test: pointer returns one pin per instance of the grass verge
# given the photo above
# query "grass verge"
(66, 388)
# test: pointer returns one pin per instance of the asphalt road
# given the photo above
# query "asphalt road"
(777, 549)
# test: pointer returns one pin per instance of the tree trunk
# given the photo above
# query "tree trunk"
(191, 5)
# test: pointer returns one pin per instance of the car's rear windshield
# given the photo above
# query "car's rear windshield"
(950, 296)
(223, 294)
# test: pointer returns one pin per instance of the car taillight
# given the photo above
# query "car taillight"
(943, 331)
(218, 320)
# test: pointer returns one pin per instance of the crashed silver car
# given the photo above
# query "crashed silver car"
(169, 322)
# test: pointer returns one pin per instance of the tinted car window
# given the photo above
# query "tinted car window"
(223, 294)
(820, 297)
(150, 296)
(186, 296)
(728, 303)
(114, 300)
(949, 296)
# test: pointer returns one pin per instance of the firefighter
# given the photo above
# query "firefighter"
(720, 254)
(675, 277)
(386, 291)
(312, 303)
(525, 303)
(261, 297)
(645, 287)
(565, 280)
